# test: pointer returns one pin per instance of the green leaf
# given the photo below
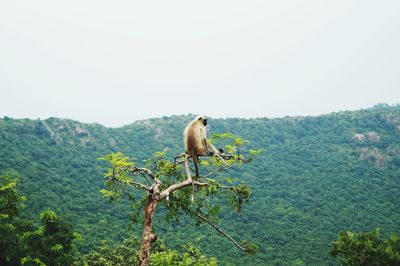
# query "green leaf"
(48, 215)
(215, 210)
(350, 235)
(77, 236)
(389, 250)
(57, 247)
(229, 180)
(394, 237)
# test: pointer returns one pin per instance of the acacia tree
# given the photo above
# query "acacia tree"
(169, 183)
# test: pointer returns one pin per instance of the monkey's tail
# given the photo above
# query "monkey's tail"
(196, 167)
(192, 196)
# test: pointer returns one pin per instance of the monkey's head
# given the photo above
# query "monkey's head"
(202, 119)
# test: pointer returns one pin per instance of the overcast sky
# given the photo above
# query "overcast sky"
(114, 62)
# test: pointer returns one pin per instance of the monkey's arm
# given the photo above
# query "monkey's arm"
(211, 150)
(207, 148)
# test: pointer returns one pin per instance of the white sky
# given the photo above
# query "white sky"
(114, 62)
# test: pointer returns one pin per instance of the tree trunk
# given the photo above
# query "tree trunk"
(148, 235)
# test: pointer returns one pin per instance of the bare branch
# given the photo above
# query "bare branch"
(174, 187)
(136, 171)
(180, 185)
(145, 170)
(133, 183)
(221, 231)
(200, 184)
(183, 184)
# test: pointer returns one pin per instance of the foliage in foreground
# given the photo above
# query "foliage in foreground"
(127, 253)
(23, 243)
(52, 243)
(366, 249)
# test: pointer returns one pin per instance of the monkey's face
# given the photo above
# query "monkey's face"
(203, 120)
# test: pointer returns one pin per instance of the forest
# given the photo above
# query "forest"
(314, 178)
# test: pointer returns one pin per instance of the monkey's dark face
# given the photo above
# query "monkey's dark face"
(203, 120)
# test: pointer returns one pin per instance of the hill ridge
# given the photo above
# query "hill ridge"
(315, 177)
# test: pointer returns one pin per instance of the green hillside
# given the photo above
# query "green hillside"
(315, 177)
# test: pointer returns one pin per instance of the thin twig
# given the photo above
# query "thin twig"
(177, 157)
(178, 162)
(221, 231)
(237, 158)
(148, 181)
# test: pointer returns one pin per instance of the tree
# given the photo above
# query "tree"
(22, 243)
(11, 227)
(169, 182)
(127, 253)
(51, 243)
(366, 249)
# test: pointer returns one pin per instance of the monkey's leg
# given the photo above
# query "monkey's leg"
(187, 167)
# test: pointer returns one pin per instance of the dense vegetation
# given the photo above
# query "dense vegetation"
(53, 242)
(316, 177)
(366, 248)
(24, 243)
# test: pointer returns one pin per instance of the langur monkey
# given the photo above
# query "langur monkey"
(196, 144)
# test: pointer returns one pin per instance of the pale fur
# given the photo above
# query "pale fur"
(196, 144)
(195, 139)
